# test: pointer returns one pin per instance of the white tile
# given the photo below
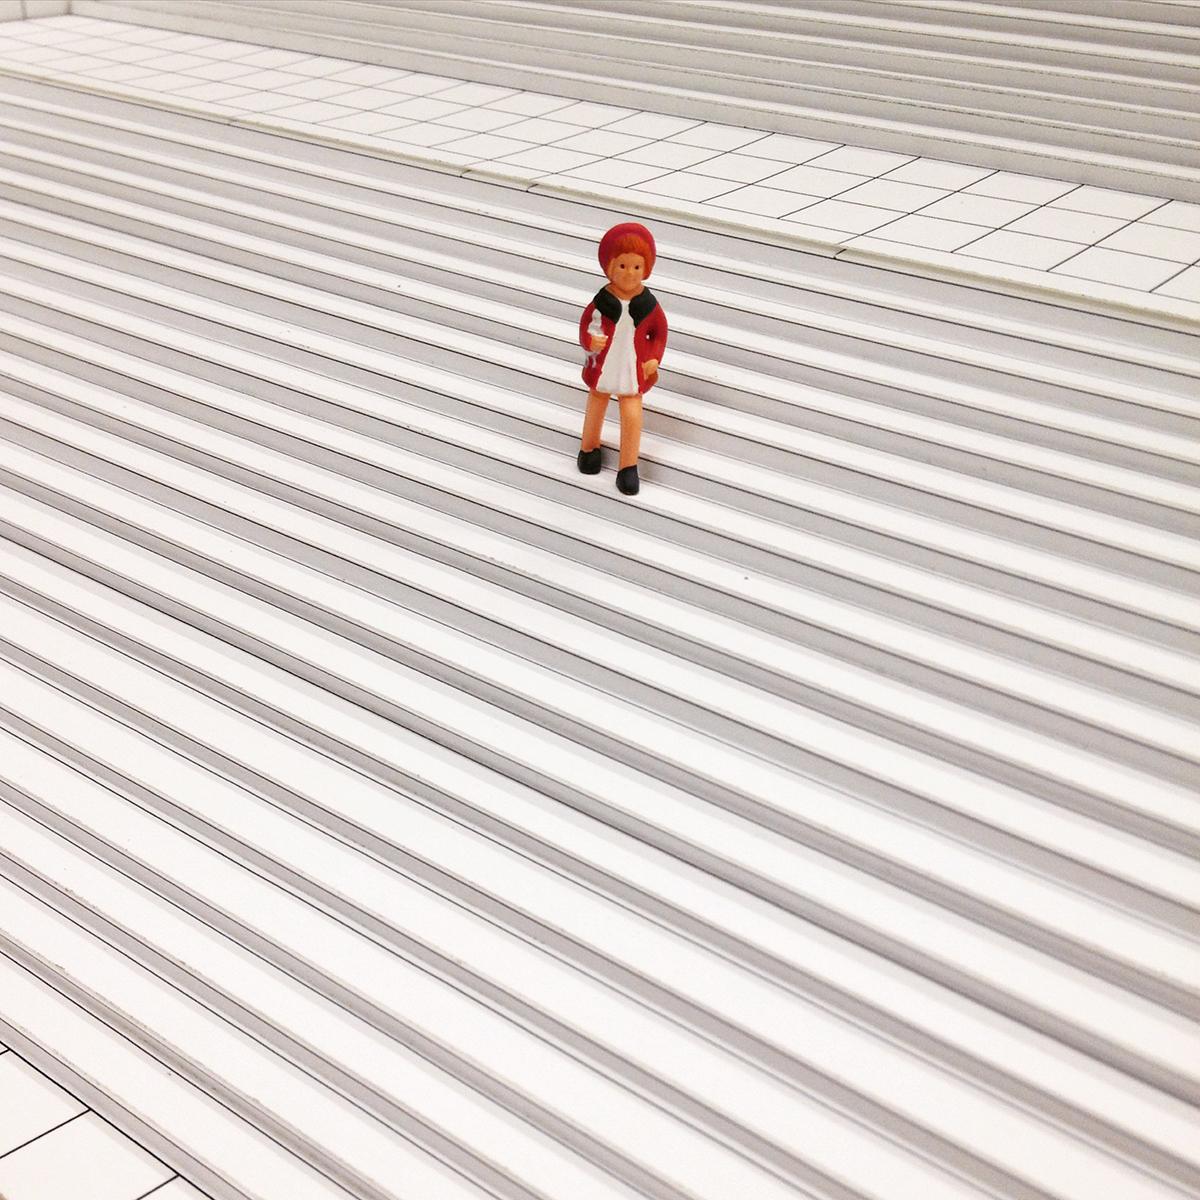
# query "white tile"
(221, 72)
(417, 84)
(49, 37)
(928, 232)
(670, 154)
(1028, 188)
(177, 1189)
(591, 116)
(977, 210)
(120, 73)
(93, 45)
(681, 185)
(1068, 226)
(422, 108)
(369, 98)
(812, 181)
(433, 155)
(225, 51)
(149, 35)
(132, 54)
(33, 54)
(817, 233)
(512, 176)
(166, 84)
(424, 134)
(474, 93)
(366, 123)
(30, 1105)
(848, 218)
(478, 120)
(270, 79)
(1116, 267)
(185, 41)
(1177, 245)
(860, 162)
(936, 172)
(615, 172)
(77, 63)
(1178, 214)
(486, 145)
(718, 137)
(312, 111)
(178, 62)
(1022, 249)
(261, 102)
(740, 168)
(763, 201)
(538, 129)
(600, 141)
(366, 76)
(651, 125)
(319, 67)
(884, 193)
(1107, 203)
(1184, 286)
(550, 159)
(85, 1158)
(316, 89)
(274, 59)
(792, 150)
(212, 91)
(531, 104)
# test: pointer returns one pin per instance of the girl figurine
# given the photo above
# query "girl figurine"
(624, 332)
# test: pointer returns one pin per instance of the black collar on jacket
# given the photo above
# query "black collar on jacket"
(640, 307)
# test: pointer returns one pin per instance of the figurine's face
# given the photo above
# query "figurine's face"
(625, 273)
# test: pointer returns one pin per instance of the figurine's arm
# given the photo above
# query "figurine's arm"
(656, 339)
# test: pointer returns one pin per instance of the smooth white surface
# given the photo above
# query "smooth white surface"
(30, 1104)
(83, 1158)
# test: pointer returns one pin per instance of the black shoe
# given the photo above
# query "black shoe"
(627, 481)
(589, 461)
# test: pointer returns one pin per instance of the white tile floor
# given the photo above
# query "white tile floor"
(842, 196)
(52, 1147)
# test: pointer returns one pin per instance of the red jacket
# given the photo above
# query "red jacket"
(649, 334)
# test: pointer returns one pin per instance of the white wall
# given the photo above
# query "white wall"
(19, 10)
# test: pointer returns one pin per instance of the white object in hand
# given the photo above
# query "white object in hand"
(595, 329)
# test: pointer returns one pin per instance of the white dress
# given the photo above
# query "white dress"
(618, 376)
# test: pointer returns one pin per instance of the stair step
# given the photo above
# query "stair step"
(376, 788)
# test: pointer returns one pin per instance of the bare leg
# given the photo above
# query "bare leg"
(593, 421)
(631, 429)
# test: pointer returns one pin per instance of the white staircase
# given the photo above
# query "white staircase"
(1099, 93)
(389, 811)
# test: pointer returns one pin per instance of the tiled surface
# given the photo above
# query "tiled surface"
(30, 1105)
(52, 1147)
(84, 1157)
(847, 196)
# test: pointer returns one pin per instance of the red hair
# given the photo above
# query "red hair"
(629, 238)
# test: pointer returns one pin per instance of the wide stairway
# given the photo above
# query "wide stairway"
(391, 812)
(1102, 92)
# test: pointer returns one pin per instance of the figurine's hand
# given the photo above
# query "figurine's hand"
(599, 341)
(650, 366)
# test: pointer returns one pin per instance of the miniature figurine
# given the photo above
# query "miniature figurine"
(624, 332)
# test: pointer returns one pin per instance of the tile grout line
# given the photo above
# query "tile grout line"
(158, 1187)
(54, 1128)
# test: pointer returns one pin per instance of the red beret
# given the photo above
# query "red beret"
(610, 239)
